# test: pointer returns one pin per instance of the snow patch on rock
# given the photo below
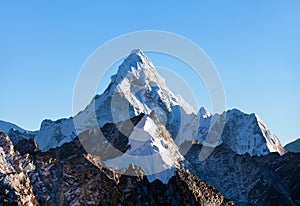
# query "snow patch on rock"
(152, 149)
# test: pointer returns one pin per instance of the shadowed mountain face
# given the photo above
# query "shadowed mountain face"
(67, 175)
(256, 180)
(293, 146)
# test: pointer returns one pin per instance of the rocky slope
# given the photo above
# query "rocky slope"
(287, 168)
(152, 148)
(248, 180)
(67, 175)
(15, 185)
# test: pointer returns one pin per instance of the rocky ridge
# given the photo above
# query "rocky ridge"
(67, 175)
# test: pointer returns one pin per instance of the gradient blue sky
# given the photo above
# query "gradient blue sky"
(255, 46)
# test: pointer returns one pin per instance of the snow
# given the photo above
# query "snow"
(272, 141)
(204, 112)
(243, 133)
(14, 170)
(55, 133)
(136, 88)
(158, 157)
(6, 126)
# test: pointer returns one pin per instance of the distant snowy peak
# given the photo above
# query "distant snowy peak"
(15, 132)
(203, 112)
(151, 148)
(243, 133)
(6, 126)
(293, 146)
(53, 134)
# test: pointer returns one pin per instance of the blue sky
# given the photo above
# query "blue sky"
(254, 45)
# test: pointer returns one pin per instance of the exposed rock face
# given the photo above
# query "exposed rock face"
(287, 168)
(111, 140)
(15, 186)
(248, 180)
(182, 189)
(151, 147)
(67, 175)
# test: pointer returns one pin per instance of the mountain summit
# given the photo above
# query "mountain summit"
(140, 124)
(136, 88)
(242, 133)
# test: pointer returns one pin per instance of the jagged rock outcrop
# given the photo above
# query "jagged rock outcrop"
(15, 185)
(182, 189)
(247, 180)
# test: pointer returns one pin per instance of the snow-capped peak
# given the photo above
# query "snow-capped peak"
(136, 88)
(6, 126)
(204, 112)
(136, 65)
(137, 74)
(15, 132)
(243, 133)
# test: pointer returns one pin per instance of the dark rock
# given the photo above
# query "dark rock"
(244, 179)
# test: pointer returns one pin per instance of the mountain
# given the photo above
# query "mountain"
(249, 180)
(15, 132)
(6, 127)
(286, 169)
(139, 143)
(293, 146)
(242, 133)
(136, 88)
(15, 185)
(152, 148)
(67, 175)
(143, 141)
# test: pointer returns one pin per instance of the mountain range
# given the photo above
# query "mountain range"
(138, 143)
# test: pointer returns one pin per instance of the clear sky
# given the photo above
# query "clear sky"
(255, 46)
